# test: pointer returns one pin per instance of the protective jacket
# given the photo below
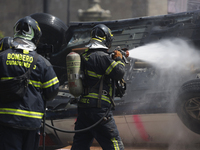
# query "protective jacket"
(5, 43)
(98, 63)
(43, 85)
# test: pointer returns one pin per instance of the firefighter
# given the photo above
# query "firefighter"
(93, 103)
(20, 121)
(5, 43)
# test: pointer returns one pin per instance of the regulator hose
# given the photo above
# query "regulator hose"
(81, 130)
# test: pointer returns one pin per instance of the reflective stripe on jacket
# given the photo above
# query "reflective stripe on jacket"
(43, 85)
(97, 63)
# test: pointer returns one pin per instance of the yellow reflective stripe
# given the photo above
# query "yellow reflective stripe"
(19, 112)
(95, 95)
(115, 143)
(35, 83)
(97, 39)
(110, 68)
(86, 55)
(38, 83)
(111, 90)
(103, 38)
(93, 74)
(113, 64)
(50, 82)
(110, 32)
(38, 27)
(1, 46)
(6, 78)
(31, 82)
(85, 52)
(119, 62)
(25, 51)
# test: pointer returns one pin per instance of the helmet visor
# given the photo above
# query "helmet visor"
(25, 28)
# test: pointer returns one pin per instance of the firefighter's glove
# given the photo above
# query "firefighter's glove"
(117, 54)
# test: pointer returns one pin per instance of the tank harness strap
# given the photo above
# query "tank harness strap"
(100, 95)
(112, 101)
(84, 71)
(86, 88)
(100, 92)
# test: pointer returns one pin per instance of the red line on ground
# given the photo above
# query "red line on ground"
(140, 128)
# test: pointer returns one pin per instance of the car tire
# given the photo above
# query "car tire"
(53, 35)
(53, 30)
(188, 105)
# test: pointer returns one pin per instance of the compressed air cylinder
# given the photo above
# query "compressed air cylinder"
(73, 61)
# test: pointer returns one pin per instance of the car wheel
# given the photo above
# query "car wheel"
(53, 35)
(188, 105)
(53, 30)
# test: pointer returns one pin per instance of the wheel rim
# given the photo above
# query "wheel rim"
(192, 107)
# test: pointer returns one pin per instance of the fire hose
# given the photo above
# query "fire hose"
(82, 130)
(72, 131)
(67, 131)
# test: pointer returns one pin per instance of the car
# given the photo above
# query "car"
(154, 92)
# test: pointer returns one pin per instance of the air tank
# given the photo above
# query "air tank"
(73, 61)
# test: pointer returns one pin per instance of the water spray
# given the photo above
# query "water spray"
(168, 53)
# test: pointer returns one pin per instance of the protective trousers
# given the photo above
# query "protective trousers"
(17, 139)
(106, 133)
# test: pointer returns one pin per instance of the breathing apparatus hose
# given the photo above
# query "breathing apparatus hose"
(81, 130)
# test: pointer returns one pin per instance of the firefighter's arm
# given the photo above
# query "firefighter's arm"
(113, 68)
(5, 43)
(120, 54)
(118, 67)
(1, 45)
(50, 84)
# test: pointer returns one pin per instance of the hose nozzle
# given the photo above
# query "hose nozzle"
(124, 52)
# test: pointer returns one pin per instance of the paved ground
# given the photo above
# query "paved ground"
(174, 147)
(98, 148)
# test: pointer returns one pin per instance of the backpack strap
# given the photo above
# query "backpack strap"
(100, 92)
(85, 74)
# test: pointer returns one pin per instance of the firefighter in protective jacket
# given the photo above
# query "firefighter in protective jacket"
(5, 43)
(20, 121)
(98, 66)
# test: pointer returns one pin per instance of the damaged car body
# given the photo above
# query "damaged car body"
(147, 91)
